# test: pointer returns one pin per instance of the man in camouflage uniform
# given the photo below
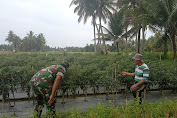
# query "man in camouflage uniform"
(44, 85)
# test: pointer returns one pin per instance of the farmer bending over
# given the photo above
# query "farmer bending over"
(141, 76)
(44, 85)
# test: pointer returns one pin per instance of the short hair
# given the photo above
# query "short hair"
(65, 64)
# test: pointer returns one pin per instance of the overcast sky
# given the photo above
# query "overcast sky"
(53, 18)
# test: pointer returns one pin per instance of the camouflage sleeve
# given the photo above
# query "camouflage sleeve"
(61, 72)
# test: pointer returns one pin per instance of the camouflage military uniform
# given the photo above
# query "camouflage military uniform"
(42, 83)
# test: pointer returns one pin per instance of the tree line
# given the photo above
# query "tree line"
(36, 42)
(153, 44)
(31, 42)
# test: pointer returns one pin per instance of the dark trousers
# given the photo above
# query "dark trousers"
(137, 91)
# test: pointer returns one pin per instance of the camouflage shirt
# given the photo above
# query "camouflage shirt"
(46, 76)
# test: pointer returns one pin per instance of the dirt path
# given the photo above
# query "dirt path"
(23, 108)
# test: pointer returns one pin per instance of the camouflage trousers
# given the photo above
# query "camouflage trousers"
(42, 96)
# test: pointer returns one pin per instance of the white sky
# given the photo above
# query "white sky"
(53, 18)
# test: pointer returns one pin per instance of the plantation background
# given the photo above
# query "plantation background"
(92, 74)
(87, 70)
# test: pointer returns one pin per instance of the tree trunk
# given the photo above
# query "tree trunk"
(126, 40)
(136, 43)
(94, 41)
(117, 45)
(97, 44)
(165, 45)
(174, 44)
(143, 42)
(105, 48)
(94, 36)
(139, 34)
(99, 39)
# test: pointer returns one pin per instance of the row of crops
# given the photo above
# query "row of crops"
(85, 69)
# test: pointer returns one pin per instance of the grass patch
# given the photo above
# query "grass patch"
(159, 109)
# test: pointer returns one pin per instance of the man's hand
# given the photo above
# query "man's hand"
(133, 86)
(124, 73)
(52, 100)
(54, 89)
(137, 84)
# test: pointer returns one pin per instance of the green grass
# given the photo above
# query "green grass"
(159, 109)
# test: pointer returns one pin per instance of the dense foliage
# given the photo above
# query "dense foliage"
(85, 69)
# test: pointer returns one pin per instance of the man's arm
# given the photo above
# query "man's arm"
(54, 88)
(140, 83)
(126, 73)
(137, 84)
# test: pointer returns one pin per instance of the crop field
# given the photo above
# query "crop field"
(93, 71)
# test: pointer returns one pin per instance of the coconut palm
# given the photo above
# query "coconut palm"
(16, 42)
(115, 28)
(10, 37)
(40, 42)
(131, 12)
(165, 15)
(95, 9)
(31, 37)
(103, 12)
(13, 40)
(136, 18)
(86, 9)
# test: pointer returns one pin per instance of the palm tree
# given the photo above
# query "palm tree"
(103, 12)
(31, 37)
(130, 13)
(115, 28)
(136, 18)
(16, 42)
(13, 40)
(95, 9)
(86, 9)
(10, 37)
(25, 44)
(40, 41)
(165, 15)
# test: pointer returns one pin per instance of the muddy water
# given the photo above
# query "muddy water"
(23, 108)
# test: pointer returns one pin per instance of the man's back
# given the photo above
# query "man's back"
(46, 76)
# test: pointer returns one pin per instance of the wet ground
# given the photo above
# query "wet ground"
(23, 108)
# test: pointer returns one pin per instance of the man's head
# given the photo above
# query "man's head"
(138, 59)
(65, 65)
